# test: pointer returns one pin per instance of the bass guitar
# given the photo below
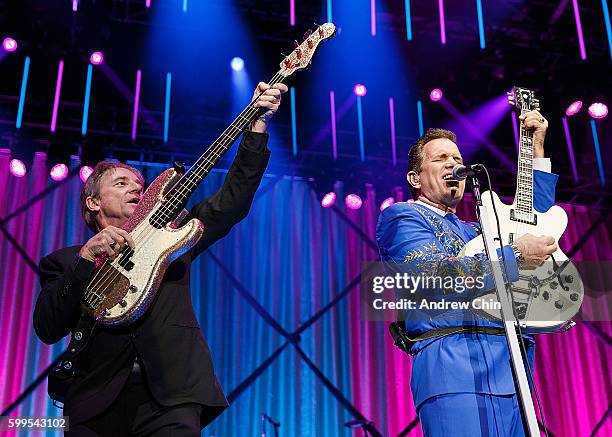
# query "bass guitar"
(120, 290)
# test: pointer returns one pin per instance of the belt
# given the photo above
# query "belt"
(405, 342)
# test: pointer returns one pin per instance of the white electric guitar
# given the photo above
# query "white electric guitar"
(547, 297)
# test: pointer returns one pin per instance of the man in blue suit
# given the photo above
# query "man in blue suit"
(462, 382)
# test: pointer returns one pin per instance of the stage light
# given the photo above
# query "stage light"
(237, 64)
(59, 172)
(360, 90)
(96, 58)
(328, 200)
(353, 201)
(387, 203)
(436, 95)
(85, 172)
(598, 110)
(573, 108)
(18, 168)
(9, 44)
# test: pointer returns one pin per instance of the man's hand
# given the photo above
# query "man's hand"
(109, 241)
(533, 120)
(535, 250)
(267, 103)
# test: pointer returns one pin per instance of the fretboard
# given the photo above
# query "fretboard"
(188, 183)
(524, 179)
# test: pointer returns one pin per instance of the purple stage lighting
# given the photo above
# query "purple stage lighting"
(598, 110)
(328, 200)
(360, 90)
(85, 172)
(436, 94)
(573, 108)
(96, 58)
(59, 172)
(387, 203)
(18, 168)
(353, 201)
(9, 44)
(237, 64)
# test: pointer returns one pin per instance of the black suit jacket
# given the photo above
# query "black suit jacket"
(167, 339)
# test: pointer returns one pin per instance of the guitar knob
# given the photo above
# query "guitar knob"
(569, 279)
(310, 44)
(553, 285)
(558, 304)
(546, 295)
(574, 297)
(132, 289)
(123, 303)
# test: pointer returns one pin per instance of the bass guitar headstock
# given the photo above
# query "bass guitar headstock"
(301, 57)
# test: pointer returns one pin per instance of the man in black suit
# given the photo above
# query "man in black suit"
(155, 376)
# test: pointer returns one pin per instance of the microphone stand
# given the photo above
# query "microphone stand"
(275, 424)
(530, 421)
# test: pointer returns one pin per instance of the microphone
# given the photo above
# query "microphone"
(460, 172)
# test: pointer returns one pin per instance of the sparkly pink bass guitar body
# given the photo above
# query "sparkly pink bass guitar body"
(122, 289)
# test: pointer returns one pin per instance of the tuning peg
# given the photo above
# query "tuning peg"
(295, 43)
(310, 43)
(307, 33)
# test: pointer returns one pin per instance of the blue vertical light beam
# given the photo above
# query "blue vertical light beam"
(86, 103)
(420, 117)
(293, 121)
(22, 94)
(167, 106)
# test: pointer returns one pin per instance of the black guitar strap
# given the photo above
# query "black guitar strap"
(63, 373)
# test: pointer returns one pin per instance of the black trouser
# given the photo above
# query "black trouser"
(136, 413)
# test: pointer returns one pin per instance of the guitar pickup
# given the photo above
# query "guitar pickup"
(125, 262)
(523, 217)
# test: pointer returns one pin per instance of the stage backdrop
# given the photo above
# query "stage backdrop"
(278, 300)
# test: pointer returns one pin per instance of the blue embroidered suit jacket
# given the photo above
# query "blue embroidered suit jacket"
(425, 242)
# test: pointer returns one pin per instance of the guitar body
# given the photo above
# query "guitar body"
(121, 290)
(546, 297)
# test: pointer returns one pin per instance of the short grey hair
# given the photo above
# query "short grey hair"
(92, 188)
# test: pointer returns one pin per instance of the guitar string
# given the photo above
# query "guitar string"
(158, 218)
(163, 211)
(249, 107)
(245, 116)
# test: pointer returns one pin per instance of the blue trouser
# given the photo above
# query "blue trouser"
(471, 415)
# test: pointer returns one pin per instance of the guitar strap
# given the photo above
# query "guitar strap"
(64, 372)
